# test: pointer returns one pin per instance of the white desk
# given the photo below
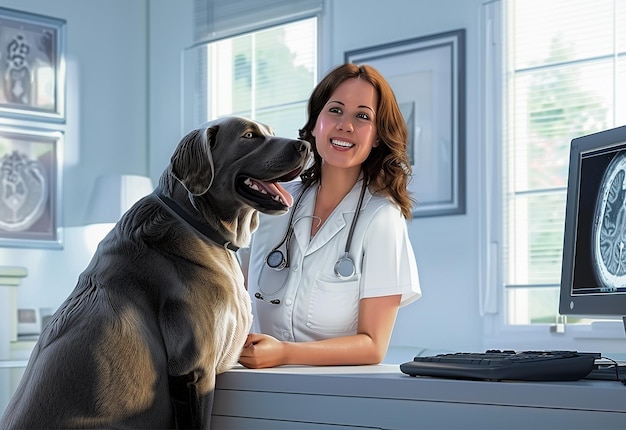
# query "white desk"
(381, 396)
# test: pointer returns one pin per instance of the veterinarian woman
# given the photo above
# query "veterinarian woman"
(327, 279)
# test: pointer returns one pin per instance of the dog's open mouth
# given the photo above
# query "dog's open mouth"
(269, 190)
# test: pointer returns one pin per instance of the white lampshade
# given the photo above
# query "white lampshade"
(113, 195)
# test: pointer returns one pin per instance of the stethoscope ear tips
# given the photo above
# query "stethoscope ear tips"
(273, 302)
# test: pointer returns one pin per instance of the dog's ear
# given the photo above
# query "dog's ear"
(192, 162)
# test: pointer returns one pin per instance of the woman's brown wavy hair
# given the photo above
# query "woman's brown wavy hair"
(387, 168)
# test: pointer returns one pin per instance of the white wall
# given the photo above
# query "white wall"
(115, 56)
(124, 117)
(171, 31)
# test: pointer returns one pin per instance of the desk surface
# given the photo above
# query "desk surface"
(383, 397)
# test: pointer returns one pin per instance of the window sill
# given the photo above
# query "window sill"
(606, 337)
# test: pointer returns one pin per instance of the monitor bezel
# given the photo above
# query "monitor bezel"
(598, 305)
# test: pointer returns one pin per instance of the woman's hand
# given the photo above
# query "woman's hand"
(262, 350)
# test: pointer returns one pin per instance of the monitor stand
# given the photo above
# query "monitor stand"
(609, 370)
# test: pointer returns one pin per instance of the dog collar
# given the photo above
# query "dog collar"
(202, 228)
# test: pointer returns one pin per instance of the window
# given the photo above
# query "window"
(266, 75)
(264, 72)
(565, 64)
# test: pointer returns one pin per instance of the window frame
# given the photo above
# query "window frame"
(604, 336)
(196, 100)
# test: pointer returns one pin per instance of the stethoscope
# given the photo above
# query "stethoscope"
(344, 267)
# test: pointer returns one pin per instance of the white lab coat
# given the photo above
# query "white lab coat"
(314, 303)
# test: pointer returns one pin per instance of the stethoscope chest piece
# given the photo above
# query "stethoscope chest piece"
(344, 267)
(276, 260)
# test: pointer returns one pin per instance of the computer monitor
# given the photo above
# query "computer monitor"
(593, 277)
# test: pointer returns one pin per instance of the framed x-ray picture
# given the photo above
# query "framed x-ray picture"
(30, 188)
(32, 66)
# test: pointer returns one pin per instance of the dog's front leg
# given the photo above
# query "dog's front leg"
(191, 409)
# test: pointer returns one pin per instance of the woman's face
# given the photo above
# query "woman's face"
(345, 131)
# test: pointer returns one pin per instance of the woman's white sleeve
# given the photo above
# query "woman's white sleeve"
(389, 265)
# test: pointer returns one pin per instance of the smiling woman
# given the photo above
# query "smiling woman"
(345, 131)
(328, 280)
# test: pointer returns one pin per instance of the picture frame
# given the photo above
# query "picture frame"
(31, 184)
(427, 75)
(32, 66)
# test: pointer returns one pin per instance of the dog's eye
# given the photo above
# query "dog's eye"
(248, 135)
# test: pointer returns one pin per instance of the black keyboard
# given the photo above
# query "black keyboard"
(496, 365)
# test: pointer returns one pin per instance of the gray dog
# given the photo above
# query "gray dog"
(161, 308)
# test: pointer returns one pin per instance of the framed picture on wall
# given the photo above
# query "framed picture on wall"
(32, 66)
(30, 188)
(427, 75)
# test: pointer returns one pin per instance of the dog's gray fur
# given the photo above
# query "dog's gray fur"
(161, 309)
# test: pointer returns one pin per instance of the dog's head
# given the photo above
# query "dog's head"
(234, 162)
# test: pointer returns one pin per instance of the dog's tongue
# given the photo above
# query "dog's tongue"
(275, 189)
